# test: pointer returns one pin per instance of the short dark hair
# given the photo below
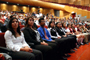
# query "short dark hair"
(41, 20)
(12, 16)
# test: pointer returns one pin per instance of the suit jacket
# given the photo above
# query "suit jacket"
(41, 31)
(30, 36)
(6, 22)
(59, 31)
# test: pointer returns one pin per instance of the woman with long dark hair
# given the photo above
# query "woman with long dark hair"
(62, 41)
(33, 36)
(61, 30)
(15, 41)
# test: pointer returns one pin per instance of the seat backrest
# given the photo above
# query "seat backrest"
(3, 20)
(21, 26)
(2, 40)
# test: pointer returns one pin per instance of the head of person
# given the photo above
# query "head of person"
(51, 24)
(8, 16)
(14, 25)
(78, 25)
(29, 22)
(42, 22)
(12, 16)
(64, 25)
(72, 25)
(58, 24)
(69, 25)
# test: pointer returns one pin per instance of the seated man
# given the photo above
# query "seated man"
(46, 36)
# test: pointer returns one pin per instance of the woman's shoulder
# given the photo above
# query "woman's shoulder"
(8, 32)
(49, 28)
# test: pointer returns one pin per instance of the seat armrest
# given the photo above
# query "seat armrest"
(31, 44)
(5, 50)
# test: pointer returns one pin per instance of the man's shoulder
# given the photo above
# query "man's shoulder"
(6, 20)
(39, 28)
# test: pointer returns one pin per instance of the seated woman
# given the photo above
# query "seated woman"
(33, 36)
(78, 33)
(85, 31)
(62, 32)
(15, 41)
(61, 40)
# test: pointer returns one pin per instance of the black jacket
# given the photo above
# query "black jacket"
(30, 36)
(59, 31)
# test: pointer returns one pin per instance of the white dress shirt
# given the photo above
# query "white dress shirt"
(67, 30)
(14, 43)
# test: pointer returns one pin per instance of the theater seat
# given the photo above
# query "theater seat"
(20, 23)
(2, 57)
(2, 40)
(21, 26)
(3, 45)
(3, 20)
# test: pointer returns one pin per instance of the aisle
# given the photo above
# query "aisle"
(83, 53)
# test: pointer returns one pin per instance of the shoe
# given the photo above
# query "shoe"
(67, 55)
(77, 46)
(72, 51)
(82, 43)
(63, 58)
(75, 49)
(86, 43)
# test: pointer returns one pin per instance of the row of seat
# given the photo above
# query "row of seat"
(78, 6)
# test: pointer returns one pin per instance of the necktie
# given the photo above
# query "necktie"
(45, 34)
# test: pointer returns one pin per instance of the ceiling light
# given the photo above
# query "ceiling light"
(7, 2)
(17, 4)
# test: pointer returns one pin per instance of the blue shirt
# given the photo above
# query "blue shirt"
(41, 31)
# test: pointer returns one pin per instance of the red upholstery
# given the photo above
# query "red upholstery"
(38, 26)
(2, 43)
(2, 40)
(2, 20)
(21, 26)
(19, 23)
(2, 57)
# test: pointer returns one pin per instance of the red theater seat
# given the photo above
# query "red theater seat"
(3, 20)
(2, 44)
(2, 57)
(19, 23)
(2, 40)
(21, 26)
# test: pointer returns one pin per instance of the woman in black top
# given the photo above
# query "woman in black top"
(61, 31)
(33, 36)
(15, 41)
(65, 42)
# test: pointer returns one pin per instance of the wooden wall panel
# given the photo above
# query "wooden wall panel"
(38, 3)
(4, 7)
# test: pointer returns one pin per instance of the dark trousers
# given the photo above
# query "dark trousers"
(63, 45)
(35, 55)
(72, 40)
(47, 51)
